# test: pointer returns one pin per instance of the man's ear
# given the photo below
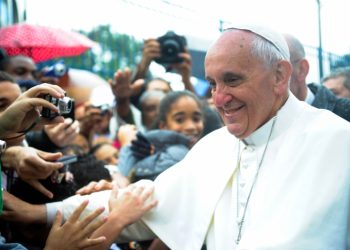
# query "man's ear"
(303, 69)
(283, 73)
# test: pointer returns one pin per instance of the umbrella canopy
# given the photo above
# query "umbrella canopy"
(42, 43)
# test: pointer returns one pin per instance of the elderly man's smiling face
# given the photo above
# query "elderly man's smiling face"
(246, 91)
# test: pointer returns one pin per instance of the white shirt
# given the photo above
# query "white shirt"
(300, 199)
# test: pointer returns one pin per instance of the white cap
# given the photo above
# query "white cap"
(272, 36)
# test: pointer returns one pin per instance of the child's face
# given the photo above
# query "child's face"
(185, 117)
(107, 153)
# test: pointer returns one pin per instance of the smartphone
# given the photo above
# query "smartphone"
(66, 160)
(60, 174)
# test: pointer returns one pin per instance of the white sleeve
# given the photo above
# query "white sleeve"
(96, 200)
(51, 210)
(136, 231)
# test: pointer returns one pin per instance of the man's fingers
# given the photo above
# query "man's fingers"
(77, 212)
(136, 86)
(150, 205)
(44, 88)
(93, 242)
(138, 190)
(115, 191)
(49, 156)
(58, 220)
(47, 121)
(147, 192)
(87, 189)
(88, 219)
(38, 186)
(103, 185)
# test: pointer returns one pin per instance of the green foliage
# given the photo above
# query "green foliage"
(116, 51)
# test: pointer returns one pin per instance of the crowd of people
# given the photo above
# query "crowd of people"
(157, 168)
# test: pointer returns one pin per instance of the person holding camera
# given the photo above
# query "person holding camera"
(29, 163)
(169, 51)
(51, 137)
(14, 121)
(178, 58)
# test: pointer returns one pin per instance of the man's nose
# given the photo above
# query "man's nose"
(221, 98)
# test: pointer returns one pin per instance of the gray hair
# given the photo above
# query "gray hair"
(266, 51)
(340, 72)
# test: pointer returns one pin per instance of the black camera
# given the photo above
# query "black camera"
(65, 107)
(171, 45)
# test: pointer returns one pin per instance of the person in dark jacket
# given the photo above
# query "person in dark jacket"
(315, 94)
(338, 81)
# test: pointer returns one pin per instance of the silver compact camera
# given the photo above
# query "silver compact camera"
(65, 107)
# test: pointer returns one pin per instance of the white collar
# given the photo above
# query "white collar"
(285, 117)
(259, 136)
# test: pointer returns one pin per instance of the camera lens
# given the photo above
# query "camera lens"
(170, 48)
(171, 45)
(65, 105)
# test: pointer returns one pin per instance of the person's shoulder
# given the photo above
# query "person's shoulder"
(221, 135)
(342, 108)
(323, 119)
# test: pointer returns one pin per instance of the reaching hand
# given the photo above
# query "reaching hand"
(74, 233)
(121, 83)
(184, 68)
(126, 133)
(25, 111)
(32, 164)
(64, 133)
(94, 186)
(131, 204)
(141, 147)
(91, 120)
(119, 181)
(151, 51)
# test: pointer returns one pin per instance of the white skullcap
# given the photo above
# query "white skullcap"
(272, 36)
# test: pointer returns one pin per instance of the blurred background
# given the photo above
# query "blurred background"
(119, 27)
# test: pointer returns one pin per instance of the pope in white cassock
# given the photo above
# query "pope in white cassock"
(277, 176)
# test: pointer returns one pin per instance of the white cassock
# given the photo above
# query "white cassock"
(300, 199)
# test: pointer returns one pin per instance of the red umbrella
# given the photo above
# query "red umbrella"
(42, 43)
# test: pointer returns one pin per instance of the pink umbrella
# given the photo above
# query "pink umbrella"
(42, 43)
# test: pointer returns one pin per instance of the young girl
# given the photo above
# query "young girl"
(181, 111)
(177, 127)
